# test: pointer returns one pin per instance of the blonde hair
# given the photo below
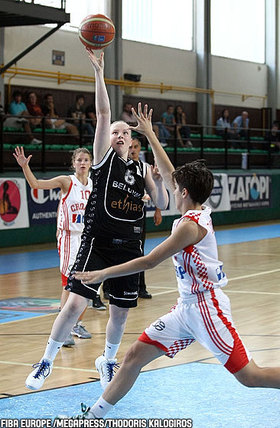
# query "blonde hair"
(80, 150)
(121, 122)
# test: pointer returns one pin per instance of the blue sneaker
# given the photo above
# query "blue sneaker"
(38, 376)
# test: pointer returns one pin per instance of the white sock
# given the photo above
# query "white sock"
(52, 349)
(111, 350)
(101, 408)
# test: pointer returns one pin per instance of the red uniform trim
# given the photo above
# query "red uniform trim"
(238, 357)
(69, 190)
(63, 280)
(145, 338)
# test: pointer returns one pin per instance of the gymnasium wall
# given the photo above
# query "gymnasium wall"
(243, 197)
(155, 63)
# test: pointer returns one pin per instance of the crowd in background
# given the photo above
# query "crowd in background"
(26, 113)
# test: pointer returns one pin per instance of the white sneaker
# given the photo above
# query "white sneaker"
(163, 144)
(37, 378)
(105, 368)
(35, 141)
(86, 414)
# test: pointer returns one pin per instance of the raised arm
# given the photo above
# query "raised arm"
(155, 187)
(144, 126)
(62, 181)
(103, 112)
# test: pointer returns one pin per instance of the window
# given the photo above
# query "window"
(80, 9)
(159, 22)
(238, 29)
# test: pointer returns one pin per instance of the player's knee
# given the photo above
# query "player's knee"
(252, 379)
(133, 357)
(119, 315)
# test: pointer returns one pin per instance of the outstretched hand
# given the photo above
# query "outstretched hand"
(143, 118)
(92, 277)
(155, 173)
(97, 63)
(20, 157)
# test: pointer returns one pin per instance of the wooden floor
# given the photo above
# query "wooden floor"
(253, 269)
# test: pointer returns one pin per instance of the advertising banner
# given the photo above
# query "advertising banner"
(249, 191)
(43, 205)
(219, 199)
(13, 204)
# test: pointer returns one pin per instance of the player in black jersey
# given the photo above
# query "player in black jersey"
(112, 234)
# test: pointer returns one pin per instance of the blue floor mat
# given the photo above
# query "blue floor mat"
(206, 393)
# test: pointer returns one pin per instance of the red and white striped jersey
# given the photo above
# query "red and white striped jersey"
(72, 206)
(197, 266)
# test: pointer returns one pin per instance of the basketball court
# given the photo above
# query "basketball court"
(192, 386)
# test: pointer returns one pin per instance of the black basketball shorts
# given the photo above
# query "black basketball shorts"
(99, 253)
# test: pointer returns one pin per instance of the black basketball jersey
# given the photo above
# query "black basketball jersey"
(115, 206)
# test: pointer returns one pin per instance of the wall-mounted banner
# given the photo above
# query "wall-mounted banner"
(43, 205)
(219, 198)
(249, 191)
(13, 204)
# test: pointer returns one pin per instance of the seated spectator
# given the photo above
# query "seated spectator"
(223, 123)
(167, 125)
(16, 110)
(34, 109)
(183, 132)
(91, 114)
(127, 115)
(2, 111)
(274, 136)
(240, 125)
(50, 112)
(78, 113)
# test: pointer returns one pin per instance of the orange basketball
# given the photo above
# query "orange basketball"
(96, 31)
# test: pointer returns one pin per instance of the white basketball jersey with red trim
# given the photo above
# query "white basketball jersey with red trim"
(72, 206)
(197, 266)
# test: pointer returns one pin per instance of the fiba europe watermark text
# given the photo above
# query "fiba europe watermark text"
(96, 423)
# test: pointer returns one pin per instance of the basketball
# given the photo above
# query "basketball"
(96, 31)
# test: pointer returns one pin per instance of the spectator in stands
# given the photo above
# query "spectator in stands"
(2, 111)
(16, 110)
(91, 114)
(274, 136)
(240, 125)
(167, 125)
(127, 115)
(183, 131)
(34, 109)
(223, 123)
(50, 112)
(78, 113)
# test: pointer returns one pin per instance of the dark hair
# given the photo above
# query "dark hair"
(178, 116)
(223, 115)
(136, 139)
(31, 92)
(80, 96)
(17, 93)
(196, 178)
(47, 95)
